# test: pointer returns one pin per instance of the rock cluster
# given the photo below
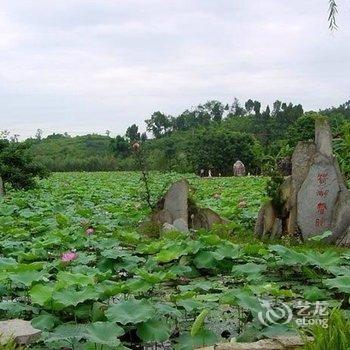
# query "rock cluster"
(175, 211)
(315, 197)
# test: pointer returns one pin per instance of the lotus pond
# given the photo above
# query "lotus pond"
(73, 262)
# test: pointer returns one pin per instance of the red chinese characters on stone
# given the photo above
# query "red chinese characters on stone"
(320, 222)
(321, 208)
(322, 193)
(322, 178)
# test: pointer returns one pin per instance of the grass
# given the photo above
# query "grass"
(335, 337)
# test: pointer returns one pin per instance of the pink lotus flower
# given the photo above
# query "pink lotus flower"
(68, 256)
(90, 231)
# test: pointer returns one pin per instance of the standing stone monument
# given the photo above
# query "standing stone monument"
(175, 202)
(315, 197)
(175, 211)
(238, 169)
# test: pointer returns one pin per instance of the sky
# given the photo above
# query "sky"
(87, 66)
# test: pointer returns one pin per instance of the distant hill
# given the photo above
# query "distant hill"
(210, 136)
(80, 153)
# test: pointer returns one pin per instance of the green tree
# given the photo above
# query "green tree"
(237, 110)
(276, 107)
(215, 109)
(217, 149)
(39, 135)
(249, 106)
(17, 166)
(203, 116)
(121, 147)
(159, 124)
(256, 108)
(302, 130)
(132, 133)
(143, 137)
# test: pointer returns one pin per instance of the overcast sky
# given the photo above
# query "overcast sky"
(86, 66)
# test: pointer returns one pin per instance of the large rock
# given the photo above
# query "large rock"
(315, 198)
(323, 138)
(162, 216)
(22, 332)
(175, 211)
(175, 201)
(168, 227)
(275, 343)
(341, 219)
(303, 157)
(267, 218)
(264, 344)
(181, 225)
(341, 222)
(238, 168)
(206, 218)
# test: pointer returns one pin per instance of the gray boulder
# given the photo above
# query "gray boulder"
(175, 211)
(22, 332)
(181, 225)
(168, 227)
(315, 198)
(205, 218)
(239, 169)
(175, 201)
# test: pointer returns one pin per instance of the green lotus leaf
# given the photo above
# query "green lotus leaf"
(153, 331)
(130, 311)
(104, 333)
(342, 283)
(205, 260)
(41, 293)
(72, 297)
(44, 322)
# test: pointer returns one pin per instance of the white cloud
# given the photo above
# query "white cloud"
(90, 65)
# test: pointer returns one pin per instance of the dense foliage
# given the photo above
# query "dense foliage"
(17, 166)
(61, 152)
(72, 260)
(210, 136)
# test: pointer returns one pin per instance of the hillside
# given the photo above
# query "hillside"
(210, 136)
(79, 153)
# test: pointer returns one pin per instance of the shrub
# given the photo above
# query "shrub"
(17, 166)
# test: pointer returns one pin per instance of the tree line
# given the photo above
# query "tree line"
(214, 135)
(211, 136)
